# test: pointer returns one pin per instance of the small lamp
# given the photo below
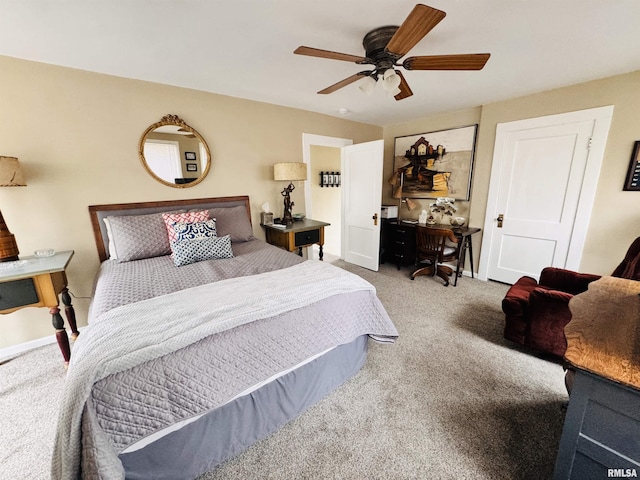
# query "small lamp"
(10, 176)
(397, 181)
(289, 172)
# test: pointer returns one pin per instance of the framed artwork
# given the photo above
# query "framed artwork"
(633, 174)
(435, 164)
(192, 167)
(189, 155)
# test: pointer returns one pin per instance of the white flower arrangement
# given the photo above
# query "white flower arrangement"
(443, 206)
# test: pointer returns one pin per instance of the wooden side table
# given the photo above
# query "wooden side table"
(37, 282)
(301, 233)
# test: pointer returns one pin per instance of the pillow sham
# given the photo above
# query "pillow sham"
(134, 237)
(190, 251)
(233, 221)
(186, 217)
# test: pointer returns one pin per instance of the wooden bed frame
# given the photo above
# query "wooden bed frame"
(99, 212)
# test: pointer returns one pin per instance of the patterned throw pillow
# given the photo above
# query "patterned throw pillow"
(191, 251)
(196, 230)
(187, 217)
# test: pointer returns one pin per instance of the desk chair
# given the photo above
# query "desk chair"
(431, 247)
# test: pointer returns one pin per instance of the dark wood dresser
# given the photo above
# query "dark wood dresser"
(601, 434)
(398, 243)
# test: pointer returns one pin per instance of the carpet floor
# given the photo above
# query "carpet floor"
(451, 399)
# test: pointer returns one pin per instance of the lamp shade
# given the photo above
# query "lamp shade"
(10, 173)
(290, 171)
(410, 204)
(367, 85)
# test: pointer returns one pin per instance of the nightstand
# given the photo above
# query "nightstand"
(37, 282)
(301, 233)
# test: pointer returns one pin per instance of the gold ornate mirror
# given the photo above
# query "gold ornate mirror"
(174, 153)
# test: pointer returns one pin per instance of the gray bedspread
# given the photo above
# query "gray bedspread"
(156, 353)
(122, 283)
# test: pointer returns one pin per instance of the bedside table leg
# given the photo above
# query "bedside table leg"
(70, 313)
(61, 334)
(321, 254)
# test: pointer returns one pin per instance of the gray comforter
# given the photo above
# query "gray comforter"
(160, 354)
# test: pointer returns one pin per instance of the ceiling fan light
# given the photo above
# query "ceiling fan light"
(391, 80)
(367, 85)
(394, 92)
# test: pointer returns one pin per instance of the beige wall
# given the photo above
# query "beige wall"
(76, 135)
(615, 221)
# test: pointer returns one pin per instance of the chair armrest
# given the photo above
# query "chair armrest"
(547, 295)
(516, 301)
(549, 313)
(566, 280)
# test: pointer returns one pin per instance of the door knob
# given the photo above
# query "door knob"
(375, 219)
(500, 219)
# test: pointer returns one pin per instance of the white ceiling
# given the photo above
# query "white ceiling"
(243, 48)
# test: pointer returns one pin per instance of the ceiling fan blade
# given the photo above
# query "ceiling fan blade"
(316, 52)
(344, 83)
(468, 61)
(419, 22)
(405, 91)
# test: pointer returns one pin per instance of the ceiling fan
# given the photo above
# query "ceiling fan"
(385, 46)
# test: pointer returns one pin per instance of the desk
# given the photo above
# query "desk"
(37, 282)
(301, 233)
(398, 244)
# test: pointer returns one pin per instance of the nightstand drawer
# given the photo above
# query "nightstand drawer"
(18, 293)
(307, 238)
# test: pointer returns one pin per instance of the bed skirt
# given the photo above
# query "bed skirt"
(229, 429)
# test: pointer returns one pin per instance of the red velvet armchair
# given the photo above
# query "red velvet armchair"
(537, 312)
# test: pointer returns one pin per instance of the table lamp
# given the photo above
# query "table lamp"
(10, 176)
(289, 172)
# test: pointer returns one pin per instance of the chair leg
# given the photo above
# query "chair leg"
(444, 272)
(428, 270)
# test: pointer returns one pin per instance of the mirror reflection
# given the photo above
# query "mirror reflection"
(174, 153)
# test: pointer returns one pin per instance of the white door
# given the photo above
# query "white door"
(361, 203)
(543, 181)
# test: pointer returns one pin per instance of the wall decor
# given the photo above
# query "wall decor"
(189, 155)
(633, 175)
(159, 151)
(192, 167)
(329, 179)
(436, 164)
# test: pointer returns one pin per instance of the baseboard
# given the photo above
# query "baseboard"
(14, 350)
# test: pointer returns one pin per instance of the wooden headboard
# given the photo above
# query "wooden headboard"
(99, 212)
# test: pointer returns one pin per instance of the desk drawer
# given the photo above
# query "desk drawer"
(17, 293)
(307, 238)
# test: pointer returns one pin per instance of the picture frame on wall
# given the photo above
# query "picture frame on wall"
(192, 167)
(436, 164)
(189, 155)
(632, 182)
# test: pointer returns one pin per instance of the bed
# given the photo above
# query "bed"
(200, 344)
